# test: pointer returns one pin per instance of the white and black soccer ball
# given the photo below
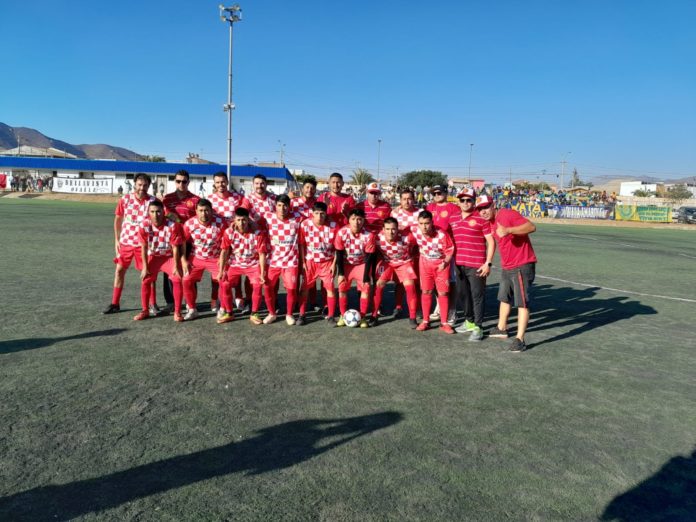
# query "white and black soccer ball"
(352, 318)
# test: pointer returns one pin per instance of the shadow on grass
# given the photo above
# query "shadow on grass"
(18, 345)
(670, 494)
(271, 449)
(579, 310)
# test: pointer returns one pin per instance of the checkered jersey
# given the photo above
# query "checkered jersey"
(159, 240)
(435, 247)
(284, 238)
(356, 247)
(206, 239)
(407, 219)
(398, 252)
(318, 241)
(224, 205)
(303, 206)
(134, 212)
(260, 206)
(244, 247)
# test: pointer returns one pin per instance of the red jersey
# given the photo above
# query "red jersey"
(283, 235)
(224, 205)
(356, 246)
(398, 252)
(436, 247)
(407, 219)
(375, 216)
(244, 247)
(303, 206)
(338, 206)
(206, 239)
(318, 241)
(261, 205)
(515, 250)
(184, 207)
(134, 212)
(442, 213)
(469, 239)
(160, 240)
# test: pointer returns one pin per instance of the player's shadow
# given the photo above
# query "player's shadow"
(271, 449)
(670, 494)
(18, 345)
(577, 311)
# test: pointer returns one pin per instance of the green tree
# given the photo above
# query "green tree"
(361, 177)
(678, 193)
(154, 159)
(422, 178)
(575, 181)
(643, 193)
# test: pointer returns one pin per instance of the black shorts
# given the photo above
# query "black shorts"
(516, 284)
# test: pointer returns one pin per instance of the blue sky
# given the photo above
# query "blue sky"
(611, 82)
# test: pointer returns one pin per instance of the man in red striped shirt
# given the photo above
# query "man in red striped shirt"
(376, 209)
(475, 247)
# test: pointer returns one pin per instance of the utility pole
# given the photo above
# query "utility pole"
(563, 164)
(230, 15)
(282, 153)
(379, 154)
(471, 148)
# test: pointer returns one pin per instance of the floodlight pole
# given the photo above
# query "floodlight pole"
(230, 15)
(379, 156)
(471, 149)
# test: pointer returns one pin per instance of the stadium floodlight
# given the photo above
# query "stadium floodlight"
(230, 15)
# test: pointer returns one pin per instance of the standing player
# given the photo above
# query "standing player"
(204, 231)
(283, 232)
(436, 251)
(355, 254)
(160, 250)
(397, 263)
(376, 210)
(261, 200)
(243, 253)
(130, 213)
(304, 205)
(317, 238)
(406, 214)
(475, 247)
(338, 204)
(518, 262)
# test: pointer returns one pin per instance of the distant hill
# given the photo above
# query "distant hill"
(11, 137)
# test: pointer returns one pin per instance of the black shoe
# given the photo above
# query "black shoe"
(517, 345)
(300, 320)
(372, 321)
(498, 333)
(325, 311)
(412, 324)
(112, 309)
(397, 312)
(331, 321)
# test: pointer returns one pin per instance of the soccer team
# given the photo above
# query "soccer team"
(248, 244)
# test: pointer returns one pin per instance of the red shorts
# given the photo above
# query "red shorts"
(431, 277)
(157, 264)
(288, 275)
(399, 273)
(126, 254)
(321, 271)
(197, 266)
(354, 273)
(235, 273)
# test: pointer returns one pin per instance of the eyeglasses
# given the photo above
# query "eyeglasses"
(184, 181)
(437, 193)
(466, 200)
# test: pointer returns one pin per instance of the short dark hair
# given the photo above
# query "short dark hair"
(241, 212)
(141, 175)
(336, 175)
(407, 191)
(356, 212)
(204, 203)
(220, 174)
(425, 214)
(182, 172)
(320, 206)
(392, 221)
(283, 198)
(260, 176)
(156, 203)
(311, 181)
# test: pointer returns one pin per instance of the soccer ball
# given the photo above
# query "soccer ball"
(352, 318)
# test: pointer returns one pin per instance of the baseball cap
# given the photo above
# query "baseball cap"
(374, 188)
(438, 188)
(467, 193)
(483, 201)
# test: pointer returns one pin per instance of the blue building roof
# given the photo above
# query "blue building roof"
(81, 165)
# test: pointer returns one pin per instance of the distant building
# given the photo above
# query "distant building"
(37, 152)
(629, 187)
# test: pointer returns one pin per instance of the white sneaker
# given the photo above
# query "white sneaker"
(290, 320)
(452, 317)
(270, 318)
(153, 310)
(239, 303)
(220, 312)
(245, 309)
(435, 316)
(190, 314)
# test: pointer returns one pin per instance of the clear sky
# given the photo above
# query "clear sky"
(608, 84)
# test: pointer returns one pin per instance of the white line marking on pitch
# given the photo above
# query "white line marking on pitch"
(686, 255)
(682, 299)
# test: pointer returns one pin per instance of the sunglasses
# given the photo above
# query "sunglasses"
(466, 200)
(437, 193)
(184, 181)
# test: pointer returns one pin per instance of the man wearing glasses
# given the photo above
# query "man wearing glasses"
(475, 247)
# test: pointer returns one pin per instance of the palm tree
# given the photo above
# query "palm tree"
(361, 177)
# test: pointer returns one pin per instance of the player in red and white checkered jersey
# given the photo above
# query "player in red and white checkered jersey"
(131, 211)
(305, 203)
(317, 238)
(355, 254)
(161, 241)
(396, 249)
(225, 201)
(376, 210)
(283, 228)
(338, 204)
(243, 253)
(261, 200)
(436, 251)
(204, 233)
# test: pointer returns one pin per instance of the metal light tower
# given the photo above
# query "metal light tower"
(471, 148)
(379, 155)
(230, 15)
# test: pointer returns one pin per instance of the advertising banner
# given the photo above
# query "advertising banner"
(574, 212)
(530, 210)
(643, 213)
(83, 186)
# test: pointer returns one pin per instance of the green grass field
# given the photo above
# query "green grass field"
(105, 418)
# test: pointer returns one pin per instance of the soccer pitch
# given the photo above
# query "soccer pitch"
(105, 418)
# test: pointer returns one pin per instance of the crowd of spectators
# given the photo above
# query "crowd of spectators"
(30, 183)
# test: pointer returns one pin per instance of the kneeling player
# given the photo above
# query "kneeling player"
(355, 252)
(243, 254)
(397, 262)
(317, 244)
(160, 250)
(436, 251)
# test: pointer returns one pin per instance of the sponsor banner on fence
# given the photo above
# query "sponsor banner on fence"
(83, 186)
(643, 213)
(530, 210)
(573, 212)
